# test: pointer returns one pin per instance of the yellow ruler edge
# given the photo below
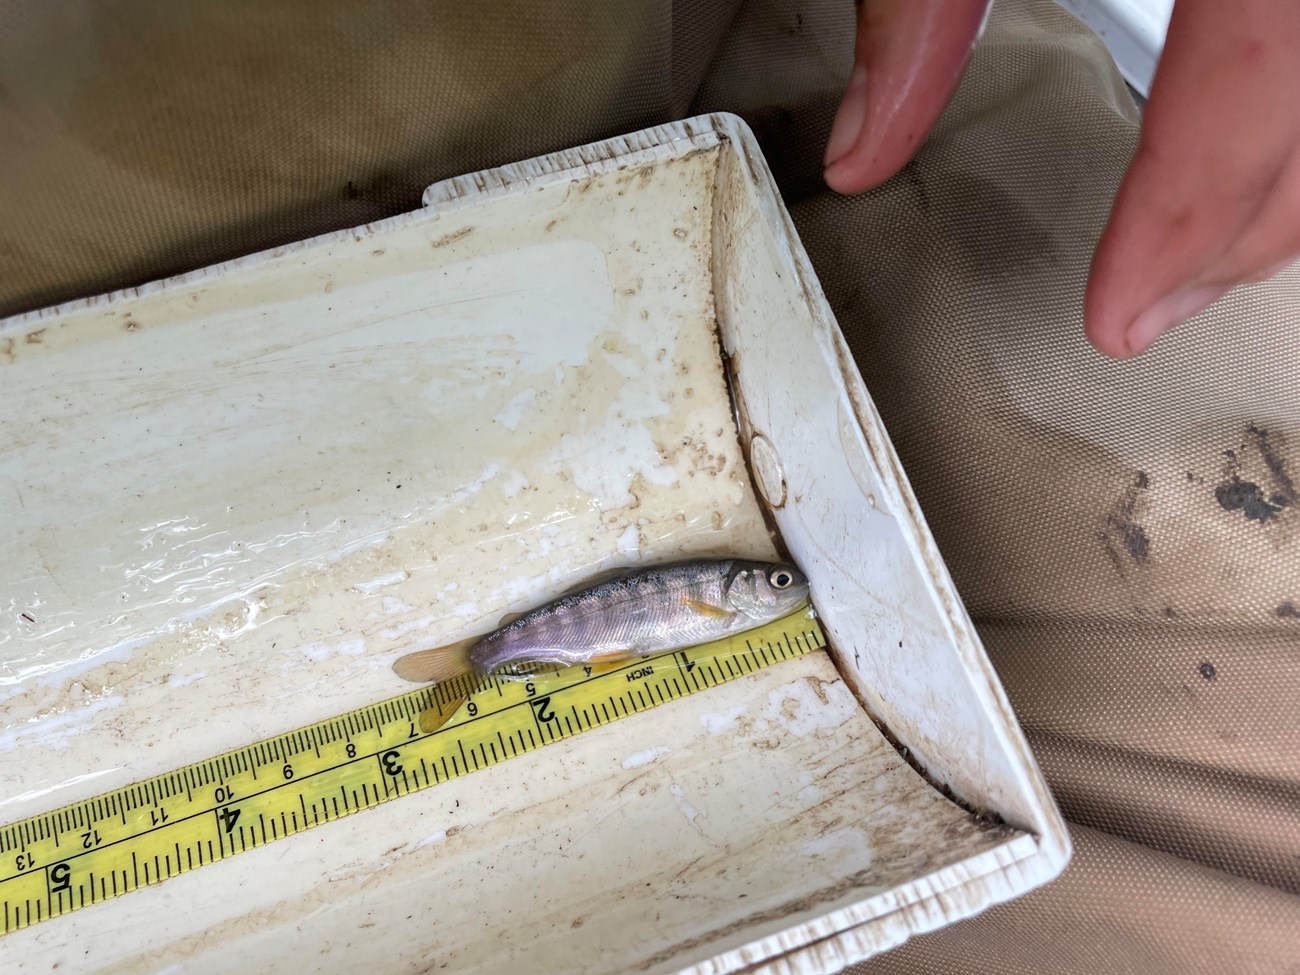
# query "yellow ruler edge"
(100, 848)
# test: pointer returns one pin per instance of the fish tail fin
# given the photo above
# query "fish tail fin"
(439, 665)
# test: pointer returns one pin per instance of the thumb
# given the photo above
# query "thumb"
(908, 58)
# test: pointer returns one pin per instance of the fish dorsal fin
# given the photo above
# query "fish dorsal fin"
(439, 665)
(510, 618)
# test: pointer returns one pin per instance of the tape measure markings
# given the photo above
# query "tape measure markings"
(115, 842)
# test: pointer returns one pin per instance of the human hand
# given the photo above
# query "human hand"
(1212, 196)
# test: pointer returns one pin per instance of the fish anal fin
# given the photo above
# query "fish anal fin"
(708, 609)
(439, 665)
(603, 663)
(448, 699)
(435, 717)
(612, 657)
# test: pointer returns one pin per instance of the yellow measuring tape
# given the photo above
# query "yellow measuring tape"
(143, 834)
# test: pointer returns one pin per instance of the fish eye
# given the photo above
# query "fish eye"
(781, 579)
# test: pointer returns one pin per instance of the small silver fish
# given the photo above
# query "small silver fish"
(637, 613)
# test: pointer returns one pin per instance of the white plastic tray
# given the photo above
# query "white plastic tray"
(234, 497)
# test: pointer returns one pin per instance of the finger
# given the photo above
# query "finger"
(1210, 197)
(909, 57)
(1272, 239)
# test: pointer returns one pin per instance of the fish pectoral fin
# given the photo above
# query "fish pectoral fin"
(708, 609)
(439, 665)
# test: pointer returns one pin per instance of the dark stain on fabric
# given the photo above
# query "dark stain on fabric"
(1246, 497)
(1208, 671)
(1136, 541)
(1255, 479)
(1125, 537)
(1288, 611)
(1270, 453)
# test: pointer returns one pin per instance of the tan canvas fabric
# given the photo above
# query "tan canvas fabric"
(1127, 536)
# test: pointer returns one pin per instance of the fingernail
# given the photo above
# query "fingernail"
(1168, 313)
(849, 118)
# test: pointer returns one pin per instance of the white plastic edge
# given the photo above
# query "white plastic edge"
(883, 921)
(1132, 30)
